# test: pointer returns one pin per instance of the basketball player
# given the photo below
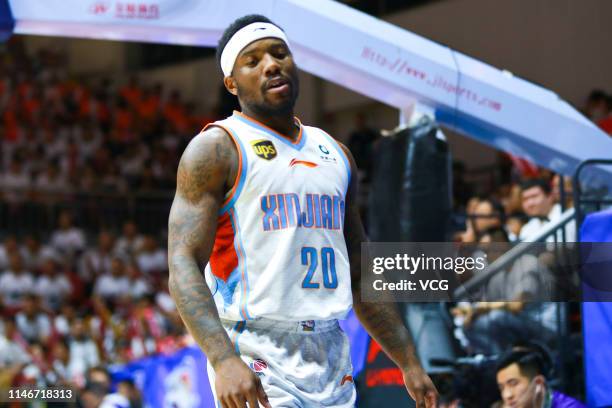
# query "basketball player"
(268, 205)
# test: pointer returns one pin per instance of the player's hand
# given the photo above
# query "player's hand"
(236, 385)
(420, 387)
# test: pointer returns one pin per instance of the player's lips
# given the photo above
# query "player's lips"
(278, 85)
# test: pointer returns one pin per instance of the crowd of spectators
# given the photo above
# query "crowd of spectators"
(69, 306)
(61, 133)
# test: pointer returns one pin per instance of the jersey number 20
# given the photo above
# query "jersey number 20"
(328, 266)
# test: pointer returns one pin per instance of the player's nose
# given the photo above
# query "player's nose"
(271, 65)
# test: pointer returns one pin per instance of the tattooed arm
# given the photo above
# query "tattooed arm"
(206, 171)
(382, 320)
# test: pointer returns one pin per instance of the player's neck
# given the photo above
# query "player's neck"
(282, 123)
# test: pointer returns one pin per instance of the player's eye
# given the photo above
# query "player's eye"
(251, 62)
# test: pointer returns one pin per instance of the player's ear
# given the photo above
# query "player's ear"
(230, 85)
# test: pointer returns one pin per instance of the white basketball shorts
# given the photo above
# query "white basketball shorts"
(303, 364)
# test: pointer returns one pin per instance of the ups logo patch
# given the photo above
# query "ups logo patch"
(264, 149)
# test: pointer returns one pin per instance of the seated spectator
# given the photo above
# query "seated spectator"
(521, 378)
(488, 216)
(83, 352)
(539, 205)
(35, 254)
(152, 258)
(506, 316)
(596, 105)
(8, 247)
(16, 181)
(13, 354)
(51, 182)
(68, 240)
(97, 261)
(605, 123)
(60, 360)
(15, 282)
(131, 242)
(138, 285)
(115, 284)
(514, 224)
(33, 324)
(51, 286)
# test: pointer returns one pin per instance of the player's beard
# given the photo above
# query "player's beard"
(265, 108)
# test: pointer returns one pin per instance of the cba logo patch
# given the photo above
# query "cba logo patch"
(258, 366)
(264, 149)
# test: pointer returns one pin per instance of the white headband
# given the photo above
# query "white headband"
(245, 36)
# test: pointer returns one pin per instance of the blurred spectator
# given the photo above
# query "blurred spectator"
(605, 123)
(131, 242)
(83, 351)
(596, 106)
(35, 254)
(68, 239)
(126, 396)
(514, 224)
(152, 258)
(16, 182)
(60, 363)
(15, 282)
(52, 287)
(488, 216)
(8, 247)
(539, 205)
(506, 317)
(97, 261)
(114, 284)
(521, 378)
(33, 324)
(13, 355)
(137, 284)
(51, 181)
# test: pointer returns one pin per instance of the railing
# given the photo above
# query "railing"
(24, 211)
(593, 201)
(555, 230)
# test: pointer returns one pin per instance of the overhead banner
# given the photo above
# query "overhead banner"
(361, 53)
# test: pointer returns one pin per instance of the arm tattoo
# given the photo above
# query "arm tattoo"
(201, 181)
(381, 320)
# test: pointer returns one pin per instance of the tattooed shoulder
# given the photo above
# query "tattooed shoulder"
(207, 164)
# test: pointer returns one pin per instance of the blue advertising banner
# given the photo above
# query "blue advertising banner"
(178, 380)
(597, 319)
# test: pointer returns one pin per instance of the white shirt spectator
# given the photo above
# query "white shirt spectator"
(14, 286)
(68, 241)
(139, 288)
(94, 263)
(52, 289)
(15, 180)
(154, 261)
(165, 302)
(33, 329)
(33, 260)
(83, 355)
(108, 286)
(535, 226)
(129, 246)
(11, 353)
(47, 183)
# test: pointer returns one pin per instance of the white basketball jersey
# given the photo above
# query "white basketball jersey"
(279, 251)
